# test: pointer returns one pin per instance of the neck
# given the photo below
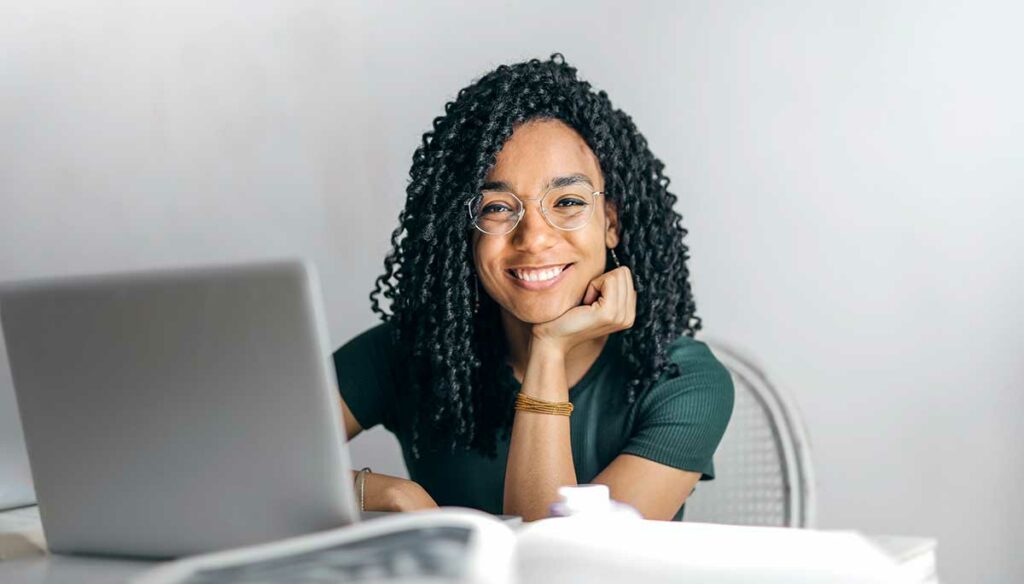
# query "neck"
(578, 360)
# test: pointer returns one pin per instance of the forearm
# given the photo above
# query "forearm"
(387, 493)
(540, 451)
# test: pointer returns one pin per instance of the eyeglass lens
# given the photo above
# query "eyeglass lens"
(499, 212)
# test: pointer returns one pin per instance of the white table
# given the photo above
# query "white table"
(24, 559)
(23, 556)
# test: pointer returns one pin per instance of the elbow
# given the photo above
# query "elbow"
(527, 513)
(529, 517)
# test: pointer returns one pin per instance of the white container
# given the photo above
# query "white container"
(591, 501)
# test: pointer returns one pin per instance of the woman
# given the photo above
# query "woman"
(538, 263)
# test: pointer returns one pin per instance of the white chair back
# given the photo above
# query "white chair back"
(763, 470)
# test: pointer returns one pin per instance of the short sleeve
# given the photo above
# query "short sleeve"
(680, 421)
(366, 375)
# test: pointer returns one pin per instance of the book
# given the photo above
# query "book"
(444, 545)
(465, 545)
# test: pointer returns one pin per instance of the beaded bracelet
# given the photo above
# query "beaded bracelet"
(530, 404)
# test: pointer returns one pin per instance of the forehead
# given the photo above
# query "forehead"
(541, 150)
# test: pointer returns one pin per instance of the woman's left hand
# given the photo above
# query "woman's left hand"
(609, 305)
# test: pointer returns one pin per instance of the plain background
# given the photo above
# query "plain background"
(851, 175)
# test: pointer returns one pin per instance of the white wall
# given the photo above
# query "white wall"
(851, 173)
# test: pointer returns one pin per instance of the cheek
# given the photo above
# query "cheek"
(590, 263)
(586, 272)
(592, 249)
(486, 257)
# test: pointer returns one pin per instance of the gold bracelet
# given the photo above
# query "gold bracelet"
(530, 404)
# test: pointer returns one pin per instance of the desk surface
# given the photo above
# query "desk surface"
(24, 560)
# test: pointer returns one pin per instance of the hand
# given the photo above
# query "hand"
(609, 305)
(388, 493)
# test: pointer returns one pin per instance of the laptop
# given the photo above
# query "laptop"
(176, 412)
(15, 477)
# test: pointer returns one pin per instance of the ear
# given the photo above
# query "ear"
(611, 224)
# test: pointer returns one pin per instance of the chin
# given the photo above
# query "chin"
(539, 314)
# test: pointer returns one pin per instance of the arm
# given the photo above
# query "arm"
(678, 427)
(364, 367)
(540, 451)
(540, 454)
(385, 492)
(656, 490)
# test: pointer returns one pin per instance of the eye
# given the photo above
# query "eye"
(570, 202)
(495, 208)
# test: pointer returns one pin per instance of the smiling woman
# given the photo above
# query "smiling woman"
(538, 275)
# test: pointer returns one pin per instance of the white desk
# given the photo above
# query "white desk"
(23, 556)
(68, 569)
(24, 560)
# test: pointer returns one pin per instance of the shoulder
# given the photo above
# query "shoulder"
(366, 370)
(374, 339)
(696, 361)
(702, 383)
(681, 419)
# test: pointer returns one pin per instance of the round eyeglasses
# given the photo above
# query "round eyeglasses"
(565, 208)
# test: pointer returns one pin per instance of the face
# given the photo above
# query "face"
(515, 269)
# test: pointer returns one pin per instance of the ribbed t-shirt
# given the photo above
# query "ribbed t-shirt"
(678, 422)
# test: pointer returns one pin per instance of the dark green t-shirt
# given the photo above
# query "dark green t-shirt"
(678, 422)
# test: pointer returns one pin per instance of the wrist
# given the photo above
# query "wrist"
(385, 493)
(360, 484)
(406, 495)
(547, 349)
(544, 378)
(393, 498)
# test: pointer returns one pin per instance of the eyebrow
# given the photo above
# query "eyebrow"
(555, 183)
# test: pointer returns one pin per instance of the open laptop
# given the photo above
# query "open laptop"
(15, 477)
(175, 412)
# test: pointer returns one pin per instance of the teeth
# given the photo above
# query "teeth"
(538, 275)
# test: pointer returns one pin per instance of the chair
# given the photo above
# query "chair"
(763, 470)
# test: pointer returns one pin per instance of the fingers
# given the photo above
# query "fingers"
(630, 298)
(596, 289)
(627, 298)
(608, 306)
(591, 294)
(615, 298)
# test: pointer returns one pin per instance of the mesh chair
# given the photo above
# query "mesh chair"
(763, 471)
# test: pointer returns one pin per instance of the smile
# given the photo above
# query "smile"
(538, 278)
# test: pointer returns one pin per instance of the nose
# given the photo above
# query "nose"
(533, 234)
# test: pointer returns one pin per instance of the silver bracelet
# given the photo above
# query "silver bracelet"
(361, 485)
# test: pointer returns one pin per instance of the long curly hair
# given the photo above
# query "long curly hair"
(456, 355)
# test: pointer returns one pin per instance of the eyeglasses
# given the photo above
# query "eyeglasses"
(564, 208)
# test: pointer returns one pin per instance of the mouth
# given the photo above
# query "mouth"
(538, 278)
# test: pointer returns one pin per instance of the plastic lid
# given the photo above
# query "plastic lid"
(585, 497)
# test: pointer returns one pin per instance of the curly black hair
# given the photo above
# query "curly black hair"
(455, 355)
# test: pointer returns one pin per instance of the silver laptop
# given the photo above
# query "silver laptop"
(176, 412)
(15, 478)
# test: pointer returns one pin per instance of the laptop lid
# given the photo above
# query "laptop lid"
(179, 411)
